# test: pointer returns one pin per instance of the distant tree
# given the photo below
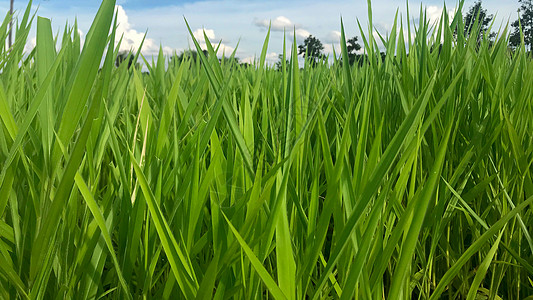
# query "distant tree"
(312, 49)
(362, 59)
(232, 61)
(125, 56)
(476, 12)
(383, 55)
(279, 63)
(352, 47)
(189, 54)
(525, 21)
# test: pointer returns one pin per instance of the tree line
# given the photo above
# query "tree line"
(477, 16)
(524, 23)
(312, 48)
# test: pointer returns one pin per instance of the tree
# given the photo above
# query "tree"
(279, 63)
(477, 12)
(312, 49)
(125, 56)
(189, 54)
(525, 22)
(232, 61)
(352, 47)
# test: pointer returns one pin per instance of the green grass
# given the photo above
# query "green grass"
(403, 178)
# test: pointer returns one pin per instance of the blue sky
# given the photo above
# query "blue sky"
(232, 21)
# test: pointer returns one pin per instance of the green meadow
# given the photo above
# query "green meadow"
(408, 176)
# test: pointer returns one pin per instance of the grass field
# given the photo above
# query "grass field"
(403, 178)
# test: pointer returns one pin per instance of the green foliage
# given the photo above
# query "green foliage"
(352, 47)
(405, 176)
(126, 56)
(477, 21)
(280, 63)
(312, 50)
(523, 27)
(191, 55)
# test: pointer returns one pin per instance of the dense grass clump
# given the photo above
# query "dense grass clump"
(405, 177)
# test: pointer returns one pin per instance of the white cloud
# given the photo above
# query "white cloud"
(82, 38)
(301, 34)
(131, 38)
(167, 50)
(328, 50)
(280, 23)
(434, 13)
(30, 44)
(333, 37)
(377, 38)
(199, 34)
(234, 19)
(272, 57)
(210, 33)
(248, 60)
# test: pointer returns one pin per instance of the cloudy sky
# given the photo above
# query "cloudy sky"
(245, 22)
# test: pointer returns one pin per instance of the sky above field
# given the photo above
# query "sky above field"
(245, 22)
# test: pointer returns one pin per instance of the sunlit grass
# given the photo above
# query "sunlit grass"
(406, 177)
